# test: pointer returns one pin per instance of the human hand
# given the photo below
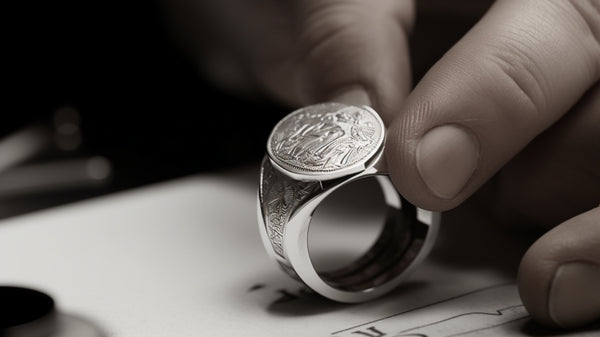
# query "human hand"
(516, 104)
(506, 107)
(302, 51)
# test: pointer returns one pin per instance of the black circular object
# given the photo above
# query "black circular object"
(25, 312)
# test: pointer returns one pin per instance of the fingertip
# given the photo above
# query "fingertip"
(354, 95)
(432, 166)
(574, 299)
(446, 158)
(534, 284)
(354, 52)
(559, 276)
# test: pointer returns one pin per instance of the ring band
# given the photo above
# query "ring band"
(313, 152)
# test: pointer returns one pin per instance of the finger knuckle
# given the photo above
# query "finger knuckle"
(522, 77)
(587, 14)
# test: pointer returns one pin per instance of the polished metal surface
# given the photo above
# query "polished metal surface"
(326, 141)
(313, 152)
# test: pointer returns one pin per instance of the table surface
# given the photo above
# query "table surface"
(184, 258)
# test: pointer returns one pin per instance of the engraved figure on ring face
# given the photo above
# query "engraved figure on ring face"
(331, 137)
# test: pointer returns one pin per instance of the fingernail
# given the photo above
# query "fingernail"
(446, 159)
(575, 294)
(352, 96)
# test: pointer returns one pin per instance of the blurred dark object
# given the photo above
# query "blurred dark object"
(45, 161)
(26, 313)
(142, 103)
(141, 100)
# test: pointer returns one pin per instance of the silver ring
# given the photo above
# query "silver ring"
(311, 153)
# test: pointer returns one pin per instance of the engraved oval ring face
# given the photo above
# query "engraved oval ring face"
(326, 141)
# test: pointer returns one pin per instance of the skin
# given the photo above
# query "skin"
(521, 87)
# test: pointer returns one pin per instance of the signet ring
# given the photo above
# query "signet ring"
(311, 153)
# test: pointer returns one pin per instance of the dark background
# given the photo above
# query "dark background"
(143, 105)
(141, 100)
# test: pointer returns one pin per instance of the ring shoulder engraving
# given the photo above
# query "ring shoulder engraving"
(279, 198)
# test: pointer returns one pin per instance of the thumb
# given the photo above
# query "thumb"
(504, 83)
(559, 277)
(354, 52)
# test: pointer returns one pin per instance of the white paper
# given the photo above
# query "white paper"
(184, 258)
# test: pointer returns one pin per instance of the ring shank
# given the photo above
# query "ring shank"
(287, 206)
(399, 242)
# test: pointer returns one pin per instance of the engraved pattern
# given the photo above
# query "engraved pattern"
(280, 195)
(325, 137)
